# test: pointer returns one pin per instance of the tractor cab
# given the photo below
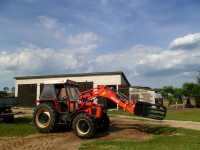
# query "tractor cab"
(63, 96)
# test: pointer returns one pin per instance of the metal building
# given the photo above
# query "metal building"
(28, 88)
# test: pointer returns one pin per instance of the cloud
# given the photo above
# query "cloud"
(37, 60)
(74, 57)
(80, 54)
(138, 61)
(150, 61)
(189, 41)
(82, 42)
(53, 26)
(83, 39)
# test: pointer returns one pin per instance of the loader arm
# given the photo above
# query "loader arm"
(143, 109)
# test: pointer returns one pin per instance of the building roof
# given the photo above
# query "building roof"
(74, 75)
(142, 87)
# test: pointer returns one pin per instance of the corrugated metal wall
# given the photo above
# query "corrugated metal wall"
(27, 95)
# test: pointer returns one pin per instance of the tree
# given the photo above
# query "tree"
(198, 78)
(196, 94)
(169, 89)
(197, 90)
(6, 89)
(168, 93)
(191, 90)
(178, 94)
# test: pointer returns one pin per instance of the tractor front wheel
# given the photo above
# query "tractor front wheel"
(44, 118)
(84, 126)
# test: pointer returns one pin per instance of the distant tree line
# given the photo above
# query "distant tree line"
(189, 91)
(7, 89)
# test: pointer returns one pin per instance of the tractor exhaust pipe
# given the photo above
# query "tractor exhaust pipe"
(149, 110)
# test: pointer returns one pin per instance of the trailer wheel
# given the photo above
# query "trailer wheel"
(44, 118)
(84, 126)
(9, 119)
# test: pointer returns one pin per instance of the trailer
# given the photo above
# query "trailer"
(6, 113)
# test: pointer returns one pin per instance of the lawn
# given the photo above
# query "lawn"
(115, 112)
(184, 115)
(20, 127)
(163, 138)
(182, 139)
(191, 114)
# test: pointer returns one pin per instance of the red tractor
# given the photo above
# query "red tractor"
(62, 106)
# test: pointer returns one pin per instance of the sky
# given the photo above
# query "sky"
(154, 42)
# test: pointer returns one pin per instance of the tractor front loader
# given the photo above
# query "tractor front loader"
(62, 106)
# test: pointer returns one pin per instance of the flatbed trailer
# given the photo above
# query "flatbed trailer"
(6, 113)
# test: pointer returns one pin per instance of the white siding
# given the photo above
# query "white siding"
(116, 79)
(97, 80)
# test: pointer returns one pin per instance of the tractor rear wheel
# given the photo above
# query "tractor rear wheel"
(44, 118)
(84, 126)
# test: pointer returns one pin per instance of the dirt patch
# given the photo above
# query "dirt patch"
(182, 124)
(172, 123)
(61, 141)
(120, 129)
(125, 129)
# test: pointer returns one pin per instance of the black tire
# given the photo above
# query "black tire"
(84, 126)
(44, 118)
(9, 119)
(104, 123)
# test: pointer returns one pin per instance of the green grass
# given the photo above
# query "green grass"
(20, 127)
(182, 140)
(192, 114)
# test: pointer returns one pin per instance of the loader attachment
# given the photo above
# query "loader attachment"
(149, 110)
